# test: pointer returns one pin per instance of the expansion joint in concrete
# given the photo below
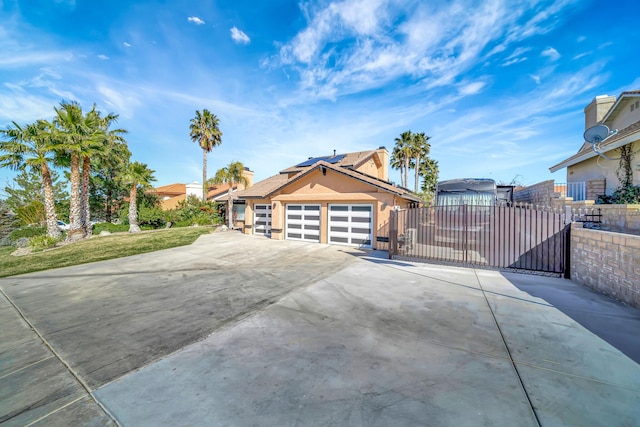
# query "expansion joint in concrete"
(57, 356)
(506, 346)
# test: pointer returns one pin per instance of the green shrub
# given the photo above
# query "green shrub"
(33, 213)
(151, 216)
(622, 196)
(40, 243)
(28, 232)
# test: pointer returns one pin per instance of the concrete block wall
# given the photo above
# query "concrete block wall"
(607, 262)
(540, 194)
(595, 188)
(618, 218)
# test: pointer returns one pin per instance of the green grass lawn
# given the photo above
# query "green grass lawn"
(98, 248)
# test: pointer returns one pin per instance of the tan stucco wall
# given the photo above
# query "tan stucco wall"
(601, 168)
(324, 190)
(624, 117)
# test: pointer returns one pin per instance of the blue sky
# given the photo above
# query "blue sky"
(499, 85)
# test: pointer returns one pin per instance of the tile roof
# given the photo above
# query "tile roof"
(350, 160)
(264, 187)
(267, 187)
(171, 189)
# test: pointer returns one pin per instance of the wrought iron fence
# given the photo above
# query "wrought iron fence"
(498, 236)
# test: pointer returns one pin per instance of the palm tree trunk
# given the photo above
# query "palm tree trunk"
(49, 202)
(406, 173)
(85, 208)
(204, 175)
(230, 208)
(417, 181)
(133, 210)
(75, 226)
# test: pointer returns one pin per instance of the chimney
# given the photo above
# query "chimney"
(383, 169)
(248, 174)
(597, 109)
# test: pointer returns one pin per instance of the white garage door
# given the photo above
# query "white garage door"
(303, 223)
(351, 225)
(262, 219)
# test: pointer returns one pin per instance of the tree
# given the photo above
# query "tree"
(106, 191)
(420, 148)
(78, 136)
(204, 130)
(429, 171)
(232, 175)
(401, 155)
(32, 147)
(27, 186)
(136, 174)
(101, 141)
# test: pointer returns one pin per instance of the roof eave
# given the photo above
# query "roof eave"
(590, 154)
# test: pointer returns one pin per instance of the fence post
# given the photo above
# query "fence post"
(393, 233)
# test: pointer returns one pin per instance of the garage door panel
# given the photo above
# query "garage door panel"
(262, 219)
(351, 224)
(303, 222)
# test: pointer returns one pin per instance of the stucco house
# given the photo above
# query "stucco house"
(589, 174)
(338, 199)
(171, 195)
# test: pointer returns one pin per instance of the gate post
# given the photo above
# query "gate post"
(393, 233)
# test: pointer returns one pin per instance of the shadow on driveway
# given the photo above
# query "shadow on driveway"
(607, 318)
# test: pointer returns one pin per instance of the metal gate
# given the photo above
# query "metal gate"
(495, 236)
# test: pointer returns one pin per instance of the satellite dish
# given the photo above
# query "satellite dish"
(596, 134)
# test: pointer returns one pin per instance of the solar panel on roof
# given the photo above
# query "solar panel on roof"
(329, 159)
(335, 159)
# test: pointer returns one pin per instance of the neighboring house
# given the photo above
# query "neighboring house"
(340, 199)
(171, 195)
(589, 174)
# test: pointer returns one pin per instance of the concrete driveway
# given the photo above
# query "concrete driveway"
(244, 331)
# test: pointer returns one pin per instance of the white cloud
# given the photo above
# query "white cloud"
(126, 44)
(9, 59)
(357, 45)
(103, 57)
(535, 78)
(580, 55)
(551, 53)
(514, 61)
(195, 20)
(121, 103)
(471, 88)
(239, 36)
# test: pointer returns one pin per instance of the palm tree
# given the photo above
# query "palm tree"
(99, 146)
(33, 147)
(136, 174)
(429, 171)
(77, 133)
(204, 130)
(401, 155)
(420, 148)
(105, 170)
(232, 175)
